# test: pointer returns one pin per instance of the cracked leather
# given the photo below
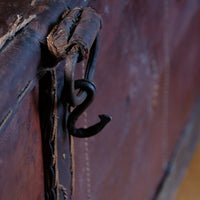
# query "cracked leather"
(130, 152)
(21, 60)
(78, 27)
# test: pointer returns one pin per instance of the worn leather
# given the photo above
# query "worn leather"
(22, 61)
(78, 27)
(21, 160)
(147, 78)
(20, 68)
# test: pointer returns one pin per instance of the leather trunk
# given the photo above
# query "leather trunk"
(147, 79)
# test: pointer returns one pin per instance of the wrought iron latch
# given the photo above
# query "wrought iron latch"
(74, 39)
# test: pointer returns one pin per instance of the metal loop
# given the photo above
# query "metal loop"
(71, 60)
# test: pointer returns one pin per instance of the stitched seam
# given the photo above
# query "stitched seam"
(72, 165)
(54, 135)
(88, 170)
(86, 144)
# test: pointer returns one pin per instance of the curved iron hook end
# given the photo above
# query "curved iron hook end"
(92, 130)
(105, 119)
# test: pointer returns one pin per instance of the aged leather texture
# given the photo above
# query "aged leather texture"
(147, 78)
(77, 28)
(21, 160)
(21, 57)
(24, 26)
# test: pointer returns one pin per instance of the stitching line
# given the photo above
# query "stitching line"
(54, 134)
(72, 166)
(86, 144)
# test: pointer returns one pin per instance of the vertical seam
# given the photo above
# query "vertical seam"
(86, 147)
(72, 166)
(87, 162)
(54, 135)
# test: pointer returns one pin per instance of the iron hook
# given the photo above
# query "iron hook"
(90, 89)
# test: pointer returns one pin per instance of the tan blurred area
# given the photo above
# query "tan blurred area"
(190, 186)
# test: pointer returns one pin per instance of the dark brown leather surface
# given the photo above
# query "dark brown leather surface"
(148, 79)
(21, 59)
(21, 56)
(63, 141)
(48, 118)
(21, 162)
